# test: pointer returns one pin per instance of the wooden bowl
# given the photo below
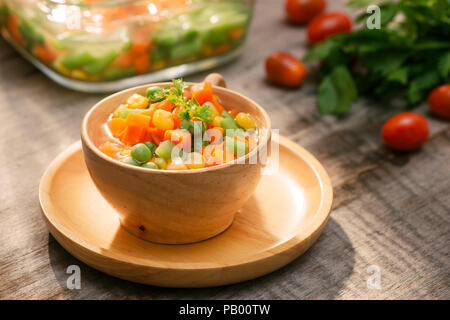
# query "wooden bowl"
(173, 207)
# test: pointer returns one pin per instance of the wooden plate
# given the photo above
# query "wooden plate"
(280, 221)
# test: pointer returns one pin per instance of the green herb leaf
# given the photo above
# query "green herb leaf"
(336, 92)
(321, 51)
(420, 86)
(399, 75)
(444, 66)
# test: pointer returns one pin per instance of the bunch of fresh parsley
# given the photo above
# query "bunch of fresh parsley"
(406, 58)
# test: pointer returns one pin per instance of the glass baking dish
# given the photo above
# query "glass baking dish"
(108, 45)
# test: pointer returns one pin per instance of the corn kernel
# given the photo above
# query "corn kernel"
(136, 101)
(216, 121)
(61, 69)
(176, 164)
(160, 162)
(195, 160)
(163, 120)
(79, 74)
(159, 65)
(245, 121)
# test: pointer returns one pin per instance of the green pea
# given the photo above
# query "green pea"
(185, 50)
(164, 150)
(116, 73)
(150, 165)
(151, 146)
(217, 35)
(154, 94)
(77, 60)
(157, 55)
(130, 161)
(100, 63)
(141, 153)
(166, 38)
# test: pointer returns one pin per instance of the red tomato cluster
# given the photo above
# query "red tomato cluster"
(405, 131)
(321, 25)
(283, 68)
(408, 131)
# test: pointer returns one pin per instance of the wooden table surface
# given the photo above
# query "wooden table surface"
(391, 211)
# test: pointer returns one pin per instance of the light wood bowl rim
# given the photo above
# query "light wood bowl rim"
(89, 144)
(312, 230)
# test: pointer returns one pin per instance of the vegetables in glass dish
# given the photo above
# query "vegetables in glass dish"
(178, 128)
(98, 43)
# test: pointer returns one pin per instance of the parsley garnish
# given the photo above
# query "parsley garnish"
(190, 108)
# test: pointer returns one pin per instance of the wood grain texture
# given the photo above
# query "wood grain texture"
(391, 210)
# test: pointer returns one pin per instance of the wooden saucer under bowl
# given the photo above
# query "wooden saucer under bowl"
(280, 221)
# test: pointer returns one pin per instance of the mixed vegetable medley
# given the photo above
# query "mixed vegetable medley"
(178, 128)
(93, 40)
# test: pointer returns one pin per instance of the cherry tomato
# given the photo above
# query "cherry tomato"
(302, 11)
(439, 101)
(284, 69)
(405, 131)
(328, 24)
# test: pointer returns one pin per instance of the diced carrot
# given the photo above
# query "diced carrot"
(117, 126)
(133, 134)
(215, 135)
(45, 53)
(140, 47)
(123, 60)
(207, 50)
(148, 112)
(12, 24)
(208, 151)
(176, 117)
(156, 134)
(222, 48)
(236, 33)
(216, 104)
(141, 63)
(139, 120)
(202, 92)
(111, 148)
(219, 156)
(233, 112)
(148, 137)
(141, 41)
(165, 105)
